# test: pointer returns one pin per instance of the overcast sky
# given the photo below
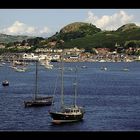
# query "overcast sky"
(45, 22)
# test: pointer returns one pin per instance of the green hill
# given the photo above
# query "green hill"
(80, 27)
(75, 30)
(84, 35)
(10, 38)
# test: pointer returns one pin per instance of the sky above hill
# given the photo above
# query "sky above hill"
(46, 22)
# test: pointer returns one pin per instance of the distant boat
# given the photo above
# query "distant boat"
(18, 66)
(84, 66)
(5, 83)
(102, 60)
(20, 69)
(46, 64)
(125, 69)
(38, 101)
(104, 68)
(68, 114)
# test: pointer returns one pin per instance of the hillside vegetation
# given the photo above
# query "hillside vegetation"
(75, 30)
(83, 35)
(10, 38)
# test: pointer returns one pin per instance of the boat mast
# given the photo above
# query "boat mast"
(62, 80)
(36, 81)
(75, 87)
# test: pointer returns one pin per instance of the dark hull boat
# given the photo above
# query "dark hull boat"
(43, 101)
(67, 115)
(5, 83)
(38, 101)
(63, 118)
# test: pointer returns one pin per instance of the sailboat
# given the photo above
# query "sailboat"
(38, 101)
(67, 114)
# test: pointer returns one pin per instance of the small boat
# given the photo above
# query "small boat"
(20, 69)
(84, 67)
(67, 114)
(125, 69)
(46, 64)
(104, 68)
(5, 83)
(38, 101)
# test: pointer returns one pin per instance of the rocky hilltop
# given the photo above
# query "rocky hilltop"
(80, 27)
(128, 27)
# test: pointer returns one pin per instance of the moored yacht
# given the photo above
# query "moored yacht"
(66, 114)
(38, 101)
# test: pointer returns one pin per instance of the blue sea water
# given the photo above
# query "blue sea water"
(111, 98)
